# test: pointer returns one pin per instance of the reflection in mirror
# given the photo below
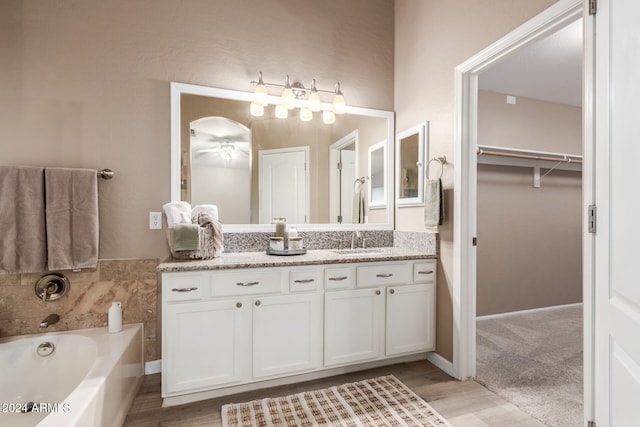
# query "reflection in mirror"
(222, 155)
(377, 175)
(411, 148)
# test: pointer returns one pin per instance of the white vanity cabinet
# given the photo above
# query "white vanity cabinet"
(228, 329)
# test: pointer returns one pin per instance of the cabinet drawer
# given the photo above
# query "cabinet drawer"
(183, 286)
(245, 282)
(383, 274)
(339, 277)
(424, 271)
(304, 280)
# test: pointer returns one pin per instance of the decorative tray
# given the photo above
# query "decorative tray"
(286, 252)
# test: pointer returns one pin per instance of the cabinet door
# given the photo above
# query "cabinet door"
(287, 334)
(207, 344)
(410, 319)
(354, 326)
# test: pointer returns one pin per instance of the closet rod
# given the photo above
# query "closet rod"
(528, 156)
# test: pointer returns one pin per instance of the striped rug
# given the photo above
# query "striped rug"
(382, 401)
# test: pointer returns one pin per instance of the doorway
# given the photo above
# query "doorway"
(467, 80)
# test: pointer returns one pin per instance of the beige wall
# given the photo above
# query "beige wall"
(529, 239)
(432, 37)
(86, 84)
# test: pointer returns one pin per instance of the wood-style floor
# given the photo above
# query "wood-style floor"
(463, 404)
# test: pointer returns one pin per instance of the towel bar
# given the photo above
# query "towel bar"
(106, 173)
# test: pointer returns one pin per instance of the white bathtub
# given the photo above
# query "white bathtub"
(89, 380)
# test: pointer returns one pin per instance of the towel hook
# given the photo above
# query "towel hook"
(360, 180)
(442, 160)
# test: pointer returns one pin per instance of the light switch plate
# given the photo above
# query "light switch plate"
(155, 220)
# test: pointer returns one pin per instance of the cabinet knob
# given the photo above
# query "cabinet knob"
(239, 304)
(391, 291)
(378, 292)
(257, 303)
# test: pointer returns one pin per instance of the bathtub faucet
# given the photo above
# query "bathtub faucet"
(49, 320)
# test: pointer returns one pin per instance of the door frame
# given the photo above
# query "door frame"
(547, 22)
(334, 175)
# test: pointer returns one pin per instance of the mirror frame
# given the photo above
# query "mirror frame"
(421, 131)
(385, 172)
(177, 89)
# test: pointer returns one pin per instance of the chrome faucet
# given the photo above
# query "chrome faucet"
(354, 236)
(49, 320)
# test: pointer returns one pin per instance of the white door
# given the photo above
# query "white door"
(287, 334)
(353, 325)
(283, 185)
(410, 319)
(617, 156)
(209, 345)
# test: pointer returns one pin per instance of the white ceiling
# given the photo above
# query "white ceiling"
(549, 69)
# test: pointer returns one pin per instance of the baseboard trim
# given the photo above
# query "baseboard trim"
(440, 362)
(532, 310)
(153, 367)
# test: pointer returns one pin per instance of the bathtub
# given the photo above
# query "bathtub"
(89, 379)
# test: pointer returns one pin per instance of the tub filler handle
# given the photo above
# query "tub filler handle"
(184, 289)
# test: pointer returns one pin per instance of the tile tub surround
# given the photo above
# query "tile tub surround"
(133, 282)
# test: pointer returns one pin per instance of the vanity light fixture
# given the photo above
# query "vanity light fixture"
(293, 94)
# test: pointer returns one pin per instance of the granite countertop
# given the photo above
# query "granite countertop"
(316, 256)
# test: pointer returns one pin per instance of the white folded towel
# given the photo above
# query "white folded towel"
(177, 213)
(211, 210)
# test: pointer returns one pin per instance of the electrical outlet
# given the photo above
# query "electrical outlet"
(155, 220)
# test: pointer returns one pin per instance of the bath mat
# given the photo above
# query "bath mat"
(382, 401)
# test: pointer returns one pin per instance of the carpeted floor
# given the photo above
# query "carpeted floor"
(534, 360)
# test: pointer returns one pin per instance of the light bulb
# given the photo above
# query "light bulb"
(328, 117)
(260, 94)
(287, 95)
(305, 114)
(281, 111)
(256, 109)
(339, 107)
(314, 101)
(314, 97)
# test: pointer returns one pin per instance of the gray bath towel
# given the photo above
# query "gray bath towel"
(358, 207)
(433, 203)
(72, 218)
(211, 238)
(22, 223)
(186, 237)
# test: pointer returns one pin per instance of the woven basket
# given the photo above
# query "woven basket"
(206, 234)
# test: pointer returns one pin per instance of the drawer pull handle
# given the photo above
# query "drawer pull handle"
(338, 278)
(384, 275)
(183, 289)
(247, 283)
(239, 304)
(305, 280)
(426, 272)
(392, 291)
(258, 303)
(378, 292)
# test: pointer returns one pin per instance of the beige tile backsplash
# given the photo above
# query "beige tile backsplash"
(134, 282)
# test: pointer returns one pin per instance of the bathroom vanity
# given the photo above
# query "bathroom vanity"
(248, 320)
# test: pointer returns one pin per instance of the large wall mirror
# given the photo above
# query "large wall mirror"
(258, 168)
(411, 147)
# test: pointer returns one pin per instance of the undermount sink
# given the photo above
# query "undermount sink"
(359, 251)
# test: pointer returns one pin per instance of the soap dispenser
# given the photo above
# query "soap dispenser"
(115, 317)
